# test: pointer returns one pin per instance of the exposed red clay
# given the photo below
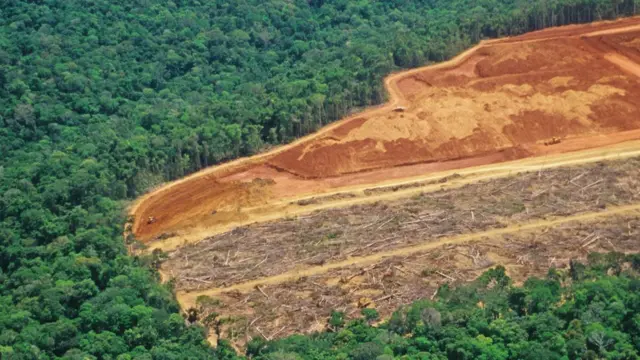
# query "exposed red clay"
(500, 101)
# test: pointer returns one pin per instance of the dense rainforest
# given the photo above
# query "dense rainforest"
(102, 99)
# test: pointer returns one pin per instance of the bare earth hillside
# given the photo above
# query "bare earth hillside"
(549, 92)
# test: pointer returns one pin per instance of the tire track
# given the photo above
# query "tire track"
(624, 63)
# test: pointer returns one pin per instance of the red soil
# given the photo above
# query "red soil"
(513, 93)
(501, 101)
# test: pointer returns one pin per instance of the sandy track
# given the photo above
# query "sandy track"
(187, 299)
(624, 63)
(191, 221)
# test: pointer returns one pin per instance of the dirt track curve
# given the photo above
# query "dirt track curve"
(499, 102)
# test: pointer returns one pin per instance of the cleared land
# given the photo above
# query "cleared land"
(497, 102)
(289, 274)
(496, 157)
(303, 305)
(334, 235)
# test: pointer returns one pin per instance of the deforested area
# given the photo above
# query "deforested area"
(129, 125)
(325, 236)
(504, 100)
(305, 304)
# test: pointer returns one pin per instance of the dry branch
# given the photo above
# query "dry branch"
(260, 331)
(590, 242)
(591, 185)
(386, 222)
(445, 275)
(385, 297)
(277, 332)
(263, 293)
(254, 320)
(196, 279)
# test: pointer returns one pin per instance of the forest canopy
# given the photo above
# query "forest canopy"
(102, 99)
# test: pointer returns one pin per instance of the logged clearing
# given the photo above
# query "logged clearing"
(549, 92)
(523, 152)
(288, 275)
(303, 305)
(334, 235)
